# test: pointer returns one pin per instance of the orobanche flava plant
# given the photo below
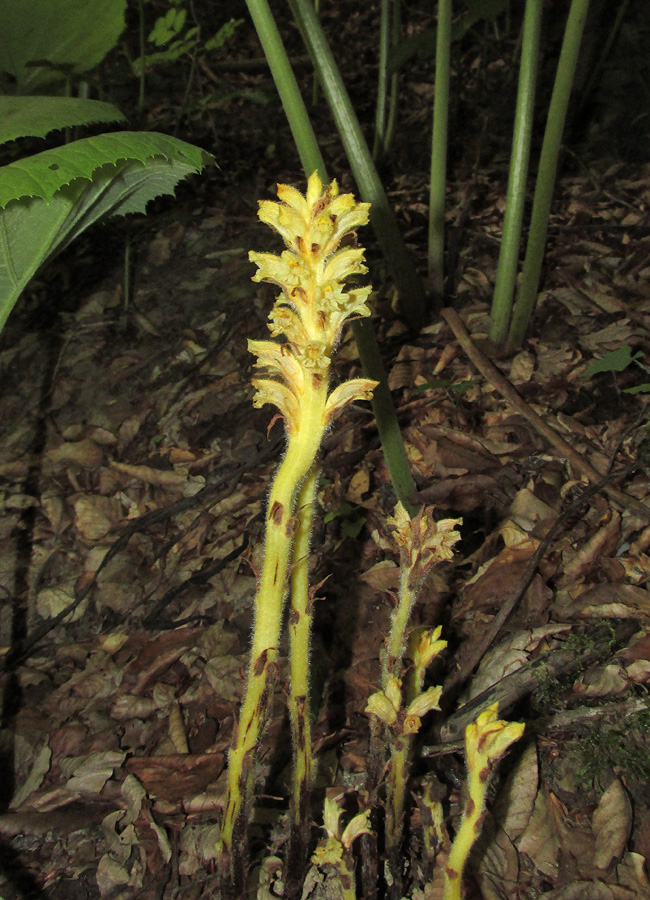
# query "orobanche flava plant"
(309, 314)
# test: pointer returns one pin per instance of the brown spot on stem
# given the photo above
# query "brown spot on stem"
(300, 291)
(276, 513)
(469, 809)
(299, 242)
(484, 774)
(316, 380)
(451, 873)
(291, 527)
(346, 881)
(315, 248)
(260, 663)
(294, 617)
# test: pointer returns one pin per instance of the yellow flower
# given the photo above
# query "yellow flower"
(488, 738)
(423, 542)
(315, 302)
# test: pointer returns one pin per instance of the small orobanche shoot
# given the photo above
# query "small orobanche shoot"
(401, 703)
(309, 313)
(486, 741)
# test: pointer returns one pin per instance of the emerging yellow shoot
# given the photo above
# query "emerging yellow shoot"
(309, 313)
(486, 741)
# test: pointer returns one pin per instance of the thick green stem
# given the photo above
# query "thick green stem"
(386, 99)
(382, 81)
(468, 831)
(438, 183)
(512, 222)
(386, 416)
(409, 285)
(300, 618)
(545, 184)
(301, 452)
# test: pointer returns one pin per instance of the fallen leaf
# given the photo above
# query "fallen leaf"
(612, 823)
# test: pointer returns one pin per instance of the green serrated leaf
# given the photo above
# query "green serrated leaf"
(72, 34)
(638, 389)
(615, 361)
(37, 116)
(34, 230)
(46, 173)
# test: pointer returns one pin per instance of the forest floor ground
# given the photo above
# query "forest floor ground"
(134, 472)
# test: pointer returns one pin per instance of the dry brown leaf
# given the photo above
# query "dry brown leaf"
(151, 476)
(499, 868)
(510, 655)
(612, 823)
(602, 681)
(83, 453)
(602, 543)
(516, 800)
(497, 579)
(540, 841)
(176, 777)
(625, 601)
(359, 485)
(383, 576)
(527, 510)
(95, 515)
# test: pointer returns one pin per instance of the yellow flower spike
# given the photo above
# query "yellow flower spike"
(486, 740)
(310, 313)
(423, 542)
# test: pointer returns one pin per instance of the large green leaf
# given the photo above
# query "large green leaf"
(32, 230)
(43, 174)
(74, 35)
(37, 116)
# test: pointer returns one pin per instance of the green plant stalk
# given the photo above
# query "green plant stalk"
(312, 161)
(400, 744)
(301, 451)
(392, 661)
(390, 436)
(409, 285)
(315, 87)
(378, 147)
(438, 182)
(545, 183)
(300, 619)
(385, 112)
(396, 24)
(516, 195)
